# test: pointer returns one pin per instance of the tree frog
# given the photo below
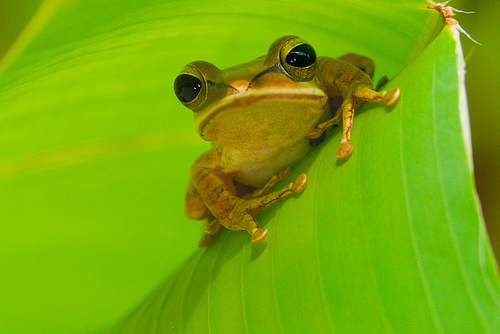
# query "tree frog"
(262, 117)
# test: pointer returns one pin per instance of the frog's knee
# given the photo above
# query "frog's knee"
(365, 64)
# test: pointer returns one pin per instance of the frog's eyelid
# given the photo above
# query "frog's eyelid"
(272, 69)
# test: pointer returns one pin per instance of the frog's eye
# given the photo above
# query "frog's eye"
(187, 87)
(298, 59)
(301, 56)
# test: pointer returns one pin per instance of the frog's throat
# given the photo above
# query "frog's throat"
(304, 95)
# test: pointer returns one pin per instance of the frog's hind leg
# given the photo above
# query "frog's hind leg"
(351, 102)
(249, 207)
(195, 208)
(365, 64)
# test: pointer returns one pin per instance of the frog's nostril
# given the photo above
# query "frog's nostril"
(240, 85)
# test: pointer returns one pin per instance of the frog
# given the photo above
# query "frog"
(262, 117)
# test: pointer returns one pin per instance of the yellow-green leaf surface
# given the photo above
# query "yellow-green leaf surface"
(94, 158)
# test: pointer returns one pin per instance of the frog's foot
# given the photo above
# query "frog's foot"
(241, 216)
(208, 230)
(349, 104)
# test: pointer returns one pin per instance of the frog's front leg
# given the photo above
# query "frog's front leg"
(219, 195)
(352, 102)
(355, 87)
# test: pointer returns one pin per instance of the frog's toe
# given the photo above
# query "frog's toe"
(211, 227)
(299, 184)
(344, 150)
(392, 96)
(258, 235)
(205, 240)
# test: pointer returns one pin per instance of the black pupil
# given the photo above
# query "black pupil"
(187, 87)
(301, 56)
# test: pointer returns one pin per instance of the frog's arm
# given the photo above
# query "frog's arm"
(342, 79)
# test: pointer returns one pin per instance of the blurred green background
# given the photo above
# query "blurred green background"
(482, 78)
(482, 81)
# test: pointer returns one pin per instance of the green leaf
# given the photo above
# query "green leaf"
(389, 241)
(94, 158)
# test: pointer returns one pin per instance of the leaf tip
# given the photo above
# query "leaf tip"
(448, 12)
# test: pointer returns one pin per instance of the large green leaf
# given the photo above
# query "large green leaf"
(389, 241)
(93, 144)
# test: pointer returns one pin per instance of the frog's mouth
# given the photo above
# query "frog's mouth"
(249, 100)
